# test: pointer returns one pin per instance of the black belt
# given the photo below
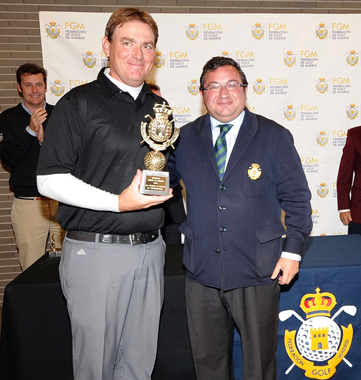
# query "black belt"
(33, 198)
(132, 239)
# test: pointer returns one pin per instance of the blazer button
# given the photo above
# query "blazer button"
(222, 229)
(220, 208)
(222, 187)
(218, 250)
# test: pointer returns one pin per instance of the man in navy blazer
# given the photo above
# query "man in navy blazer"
(234, 252)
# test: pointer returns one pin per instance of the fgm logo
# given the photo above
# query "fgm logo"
(89, 59)
(289, 59)
(57, 87)
(225, 53)
(322, 85)
(352, 111)
(352, 58)
(322, 138)
(289, 112)
(193, 87)
(321, 31)
(159, 60)
(258, 31)
(53, 29)
(319, 338)
(323, 190)
(192, 32)
(259, 87)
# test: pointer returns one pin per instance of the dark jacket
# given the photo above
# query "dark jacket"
(233, 228)
(19, 150)
(349, 175)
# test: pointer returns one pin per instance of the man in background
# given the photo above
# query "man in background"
(349, 182)
(111, 268)
(240, 170)
(22, 129)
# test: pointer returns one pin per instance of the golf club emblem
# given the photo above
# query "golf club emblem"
(319, 339)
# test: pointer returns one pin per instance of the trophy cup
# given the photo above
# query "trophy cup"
(159, 135)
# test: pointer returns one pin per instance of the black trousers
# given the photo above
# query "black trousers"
(354, 228)
(212, 314)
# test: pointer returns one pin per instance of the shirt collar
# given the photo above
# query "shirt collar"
(27, 109)
(237, 121)
(133, 91)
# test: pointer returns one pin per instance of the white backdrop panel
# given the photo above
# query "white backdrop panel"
(303, 72)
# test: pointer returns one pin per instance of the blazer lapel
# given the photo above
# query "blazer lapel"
(205, 135)
(248, 129)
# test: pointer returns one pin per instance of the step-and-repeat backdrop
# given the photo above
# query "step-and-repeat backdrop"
(303, 72)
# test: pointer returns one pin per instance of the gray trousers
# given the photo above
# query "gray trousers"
(114, 295)
(212, 314)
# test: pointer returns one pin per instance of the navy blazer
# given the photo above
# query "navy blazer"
(233, 227)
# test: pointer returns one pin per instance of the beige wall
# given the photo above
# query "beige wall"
(20, 43)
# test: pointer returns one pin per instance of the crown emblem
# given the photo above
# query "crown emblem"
(52, 23)
(225, 52)
(322, 133)
(290, 107)
(319, 304)
(322, 79)
(162, 109)
(289, 52)
(322, 24)
(259, 80)
(192, 25)
(158, 53)
(258, 24)
(352, 52)
(88, 52)
(57, 81)
(352, 105)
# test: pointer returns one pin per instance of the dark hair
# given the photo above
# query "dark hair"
(154, 86)
(216, 62)
(124, 15)
(30, 69)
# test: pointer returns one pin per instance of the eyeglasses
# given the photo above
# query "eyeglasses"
(216, 87)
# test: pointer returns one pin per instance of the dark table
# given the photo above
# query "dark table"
(36, 335)
(36, 338)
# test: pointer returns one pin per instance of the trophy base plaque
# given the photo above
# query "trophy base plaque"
(154, 183)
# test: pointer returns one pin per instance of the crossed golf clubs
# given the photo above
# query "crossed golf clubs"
(284, 315)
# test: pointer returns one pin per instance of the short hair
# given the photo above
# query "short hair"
(154, 87)
(30, 69)
(216, 62)
(124, 15)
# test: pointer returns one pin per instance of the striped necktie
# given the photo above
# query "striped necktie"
(220, 149)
